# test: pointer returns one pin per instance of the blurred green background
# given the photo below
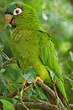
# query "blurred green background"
(56, 16)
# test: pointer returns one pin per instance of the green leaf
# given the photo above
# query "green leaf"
(1, 62)
(2, 70)
(71, 55)
(7, 105)
(70, 80)
(1, 47)
(13, 74)
(57, 100)
(29, 74)
(3, 86)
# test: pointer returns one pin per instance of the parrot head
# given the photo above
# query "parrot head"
(21, 15)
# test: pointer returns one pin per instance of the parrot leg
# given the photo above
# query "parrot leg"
(23, 84)
(37, 79)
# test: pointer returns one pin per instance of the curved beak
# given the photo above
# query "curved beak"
(8, 18)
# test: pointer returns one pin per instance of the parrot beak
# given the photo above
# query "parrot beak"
(8, 18)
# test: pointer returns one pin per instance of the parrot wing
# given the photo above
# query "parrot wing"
(48, 55)
(49, 58)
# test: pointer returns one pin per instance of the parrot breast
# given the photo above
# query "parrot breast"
(24, 45)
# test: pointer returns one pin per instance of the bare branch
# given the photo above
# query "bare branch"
(37, 105)
(71, 106)
(8, 62)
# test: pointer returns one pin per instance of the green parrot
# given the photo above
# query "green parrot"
(32, 46)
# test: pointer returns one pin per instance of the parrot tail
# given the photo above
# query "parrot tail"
(66, 104)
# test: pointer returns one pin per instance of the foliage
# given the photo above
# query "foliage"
(7, 105)
(56, 17)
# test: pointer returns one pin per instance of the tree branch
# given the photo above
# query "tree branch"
(52, 93)
(33, 104)
(37, 105)
(8, 62)
(71, 106)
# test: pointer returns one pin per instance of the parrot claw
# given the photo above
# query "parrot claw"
(37, 79)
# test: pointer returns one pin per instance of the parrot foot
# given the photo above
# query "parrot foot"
(37, 79)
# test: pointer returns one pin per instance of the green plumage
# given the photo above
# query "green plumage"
(32, 46)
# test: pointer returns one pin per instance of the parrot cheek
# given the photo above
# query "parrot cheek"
(13, 23)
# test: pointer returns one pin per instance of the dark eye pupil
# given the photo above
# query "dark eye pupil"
(17, 11)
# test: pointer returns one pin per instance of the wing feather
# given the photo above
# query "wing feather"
(48, 55)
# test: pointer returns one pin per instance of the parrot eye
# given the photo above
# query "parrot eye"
(17, 11)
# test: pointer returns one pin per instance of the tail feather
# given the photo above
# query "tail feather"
(66, 104)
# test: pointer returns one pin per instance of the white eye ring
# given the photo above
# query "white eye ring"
(17, 11)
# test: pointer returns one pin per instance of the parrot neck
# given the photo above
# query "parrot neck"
(29, 25)
(27, 21)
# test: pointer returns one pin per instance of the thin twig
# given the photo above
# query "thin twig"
(14, 93)
(27, 99)
(4, 55)
(8, 62)
(25, 106)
